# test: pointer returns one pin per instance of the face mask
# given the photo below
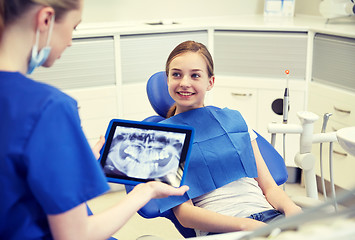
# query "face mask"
(38, 58)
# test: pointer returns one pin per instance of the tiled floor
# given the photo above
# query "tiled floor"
(160, 227)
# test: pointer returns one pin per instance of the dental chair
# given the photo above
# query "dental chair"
(161, 101)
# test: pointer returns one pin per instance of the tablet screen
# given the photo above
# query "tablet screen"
(137, 152)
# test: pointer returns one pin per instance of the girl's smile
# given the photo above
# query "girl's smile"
(186, 94)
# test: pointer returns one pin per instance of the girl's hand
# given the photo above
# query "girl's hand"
(96, 149)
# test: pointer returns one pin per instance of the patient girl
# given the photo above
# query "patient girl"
(239, 192)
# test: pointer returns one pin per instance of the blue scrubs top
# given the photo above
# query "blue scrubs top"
(46, 163)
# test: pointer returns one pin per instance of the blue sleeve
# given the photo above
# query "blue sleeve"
(62, 170)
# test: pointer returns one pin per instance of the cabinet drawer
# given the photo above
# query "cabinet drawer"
(242, 99)
(343, 165)
(341, 104)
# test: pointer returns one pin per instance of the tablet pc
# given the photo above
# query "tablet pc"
(136, 152)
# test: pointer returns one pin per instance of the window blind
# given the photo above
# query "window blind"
(334, 61)
(89, 62)
(260, 54)
(142, 55)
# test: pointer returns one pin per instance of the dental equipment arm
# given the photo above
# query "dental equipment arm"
(304, 158)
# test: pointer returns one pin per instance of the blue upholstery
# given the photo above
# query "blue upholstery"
(273, 160)
(158, 94)
(161, 101)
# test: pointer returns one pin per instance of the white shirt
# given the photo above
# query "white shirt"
(240, 198)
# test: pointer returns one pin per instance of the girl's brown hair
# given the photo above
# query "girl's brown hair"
(191, 46)
(184, 47)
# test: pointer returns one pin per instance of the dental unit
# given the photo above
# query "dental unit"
(304, 159)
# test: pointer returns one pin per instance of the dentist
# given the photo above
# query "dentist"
(47, 168)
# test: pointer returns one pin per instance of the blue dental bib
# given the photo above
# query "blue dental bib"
(221, 152)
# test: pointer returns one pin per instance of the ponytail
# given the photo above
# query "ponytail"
(171, 111)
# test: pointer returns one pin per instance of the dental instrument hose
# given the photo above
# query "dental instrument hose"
(331, 176)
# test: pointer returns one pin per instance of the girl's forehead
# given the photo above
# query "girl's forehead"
(189, 59)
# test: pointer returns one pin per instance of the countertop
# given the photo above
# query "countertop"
(343, 27)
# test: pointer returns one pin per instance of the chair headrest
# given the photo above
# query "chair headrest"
(158, 94)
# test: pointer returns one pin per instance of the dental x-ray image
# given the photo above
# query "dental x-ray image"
(146, 154)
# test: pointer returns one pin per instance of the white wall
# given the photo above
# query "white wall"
(148, 10)
(307, 7)
(138, 10)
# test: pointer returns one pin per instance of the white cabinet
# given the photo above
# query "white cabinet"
(97, 106)
(253, 98)
(341, 103)
(332, 90)
(250, 68)
(245, 100)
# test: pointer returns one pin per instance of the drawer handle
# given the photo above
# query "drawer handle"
(242, 94)
(342, 110)
(340, 153)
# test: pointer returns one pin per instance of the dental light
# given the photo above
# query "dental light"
(337, 8)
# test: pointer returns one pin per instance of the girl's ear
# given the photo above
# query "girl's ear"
(44, 17)
(211, 83)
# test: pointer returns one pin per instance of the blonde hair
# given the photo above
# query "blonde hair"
(184, 47)
(10, 10)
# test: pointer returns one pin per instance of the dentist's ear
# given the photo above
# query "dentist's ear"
(44, 18)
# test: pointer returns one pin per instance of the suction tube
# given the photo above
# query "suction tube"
(324, 126)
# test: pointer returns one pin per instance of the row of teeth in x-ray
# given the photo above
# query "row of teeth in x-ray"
(150, 154)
